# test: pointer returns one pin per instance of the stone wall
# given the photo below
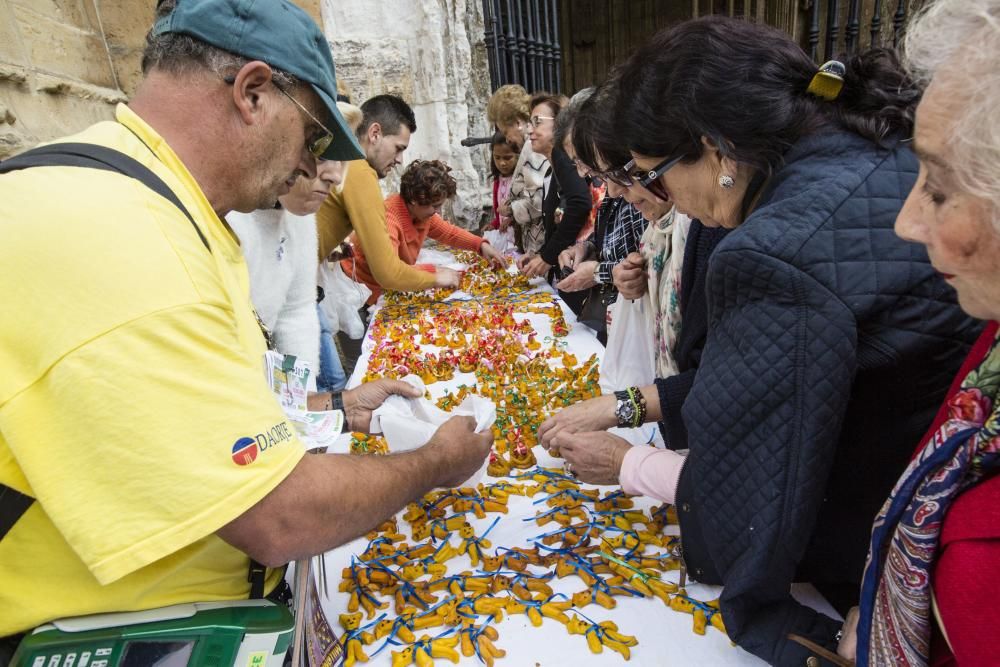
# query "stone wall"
(59, 71)
(430, 52)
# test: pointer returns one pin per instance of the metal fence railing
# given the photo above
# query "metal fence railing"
(522, 43)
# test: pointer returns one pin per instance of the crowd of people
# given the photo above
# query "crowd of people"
(819, 245)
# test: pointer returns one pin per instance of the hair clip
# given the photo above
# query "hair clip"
(827, 83)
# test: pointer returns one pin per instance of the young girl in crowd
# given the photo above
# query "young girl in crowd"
(509, 110)
(503, 159)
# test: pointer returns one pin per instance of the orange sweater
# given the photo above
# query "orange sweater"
(407, 237)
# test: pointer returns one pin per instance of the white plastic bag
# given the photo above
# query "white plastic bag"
(343, 299)
(409, 423)
(502, 241)
(630, 359)
(630, 355)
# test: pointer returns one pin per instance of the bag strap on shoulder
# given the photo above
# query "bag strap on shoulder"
(13, 505)
(93, 156)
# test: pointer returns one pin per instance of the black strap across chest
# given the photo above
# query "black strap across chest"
(92, 156)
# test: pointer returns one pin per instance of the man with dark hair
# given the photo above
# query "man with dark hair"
(393, 116)
(144, 461)
(358, 207)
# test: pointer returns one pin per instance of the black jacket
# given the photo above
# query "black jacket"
(701, 241)
(570, 190)
(831, 343)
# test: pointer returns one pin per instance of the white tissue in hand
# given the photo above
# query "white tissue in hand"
(408, 423)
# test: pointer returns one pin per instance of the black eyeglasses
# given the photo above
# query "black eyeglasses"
(651, 179)
(620, 176)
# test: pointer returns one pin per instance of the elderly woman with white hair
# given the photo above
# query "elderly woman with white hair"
(930, 591)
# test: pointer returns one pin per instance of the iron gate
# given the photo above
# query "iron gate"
(522, 42)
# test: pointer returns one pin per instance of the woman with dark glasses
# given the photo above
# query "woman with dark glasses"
(669, 264)
(567, 201)
(587, 265)
(830, 340)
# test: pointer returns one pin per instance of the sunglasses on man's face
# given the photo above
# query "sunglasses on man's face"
(321, 140)
(317, 145)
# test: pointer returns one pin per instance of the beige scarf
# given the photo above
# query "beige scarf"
(662, 246)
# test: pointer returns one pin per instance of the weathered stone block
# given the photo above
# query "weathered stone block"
(430, 52)
(125, 25)
(10, 40)
(73, 12)
(63, 49)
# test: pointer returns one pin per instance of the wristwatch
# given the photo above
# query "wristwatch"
(597, 273)
(630, 408)
(625, 409)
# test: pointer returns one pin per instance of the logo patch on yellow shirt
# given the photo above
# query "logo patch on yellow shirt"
(246, 449)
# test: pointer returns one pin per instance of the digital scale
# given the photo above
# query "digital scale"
(242, 633)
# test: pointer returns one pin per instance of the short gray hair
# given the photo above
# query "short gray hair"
(565, 118)
(182, 54)
(956, 43)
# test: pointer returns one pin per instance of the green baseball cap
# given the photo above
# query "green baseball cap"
(278, 33)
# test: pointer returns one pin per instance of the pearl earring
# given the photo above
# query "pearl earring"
(726, 181)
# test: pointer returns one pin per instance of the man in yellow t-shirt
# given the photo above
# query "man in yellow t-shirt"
(143, 459)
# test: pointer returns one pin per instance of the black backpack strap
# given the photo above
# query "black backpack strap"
(13, 505)
(98, 157)
(256, 577)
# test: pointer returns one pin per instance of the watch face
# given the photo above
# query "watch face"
(625, 412)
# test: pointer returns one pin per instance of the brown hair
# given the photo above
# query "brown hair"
(554, 101)
(427, 181)
(508, 105)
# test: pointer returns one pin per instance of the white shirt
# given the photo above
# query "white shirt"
(281, 254)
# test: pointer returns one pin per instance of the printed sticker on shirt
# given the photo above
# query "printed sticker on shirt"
(247, 449)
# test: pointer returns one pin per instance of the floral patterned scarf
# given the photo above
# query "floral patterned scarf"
(895, 614)
(662, 246)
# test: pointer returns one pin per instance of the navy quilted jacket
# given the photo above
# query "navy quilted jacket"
(831, 343)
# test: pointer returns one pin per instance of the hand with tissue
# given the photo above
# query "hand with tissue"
(412, 423)
(360, 402)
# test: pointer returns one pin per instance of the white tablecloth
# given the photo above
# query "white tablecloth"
(665, 636)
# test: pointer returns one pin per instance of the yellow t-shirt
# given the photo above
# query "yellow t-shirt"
(133, 404)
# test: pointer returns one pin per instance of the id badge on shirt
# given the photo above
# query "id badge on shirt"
(289, 379)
